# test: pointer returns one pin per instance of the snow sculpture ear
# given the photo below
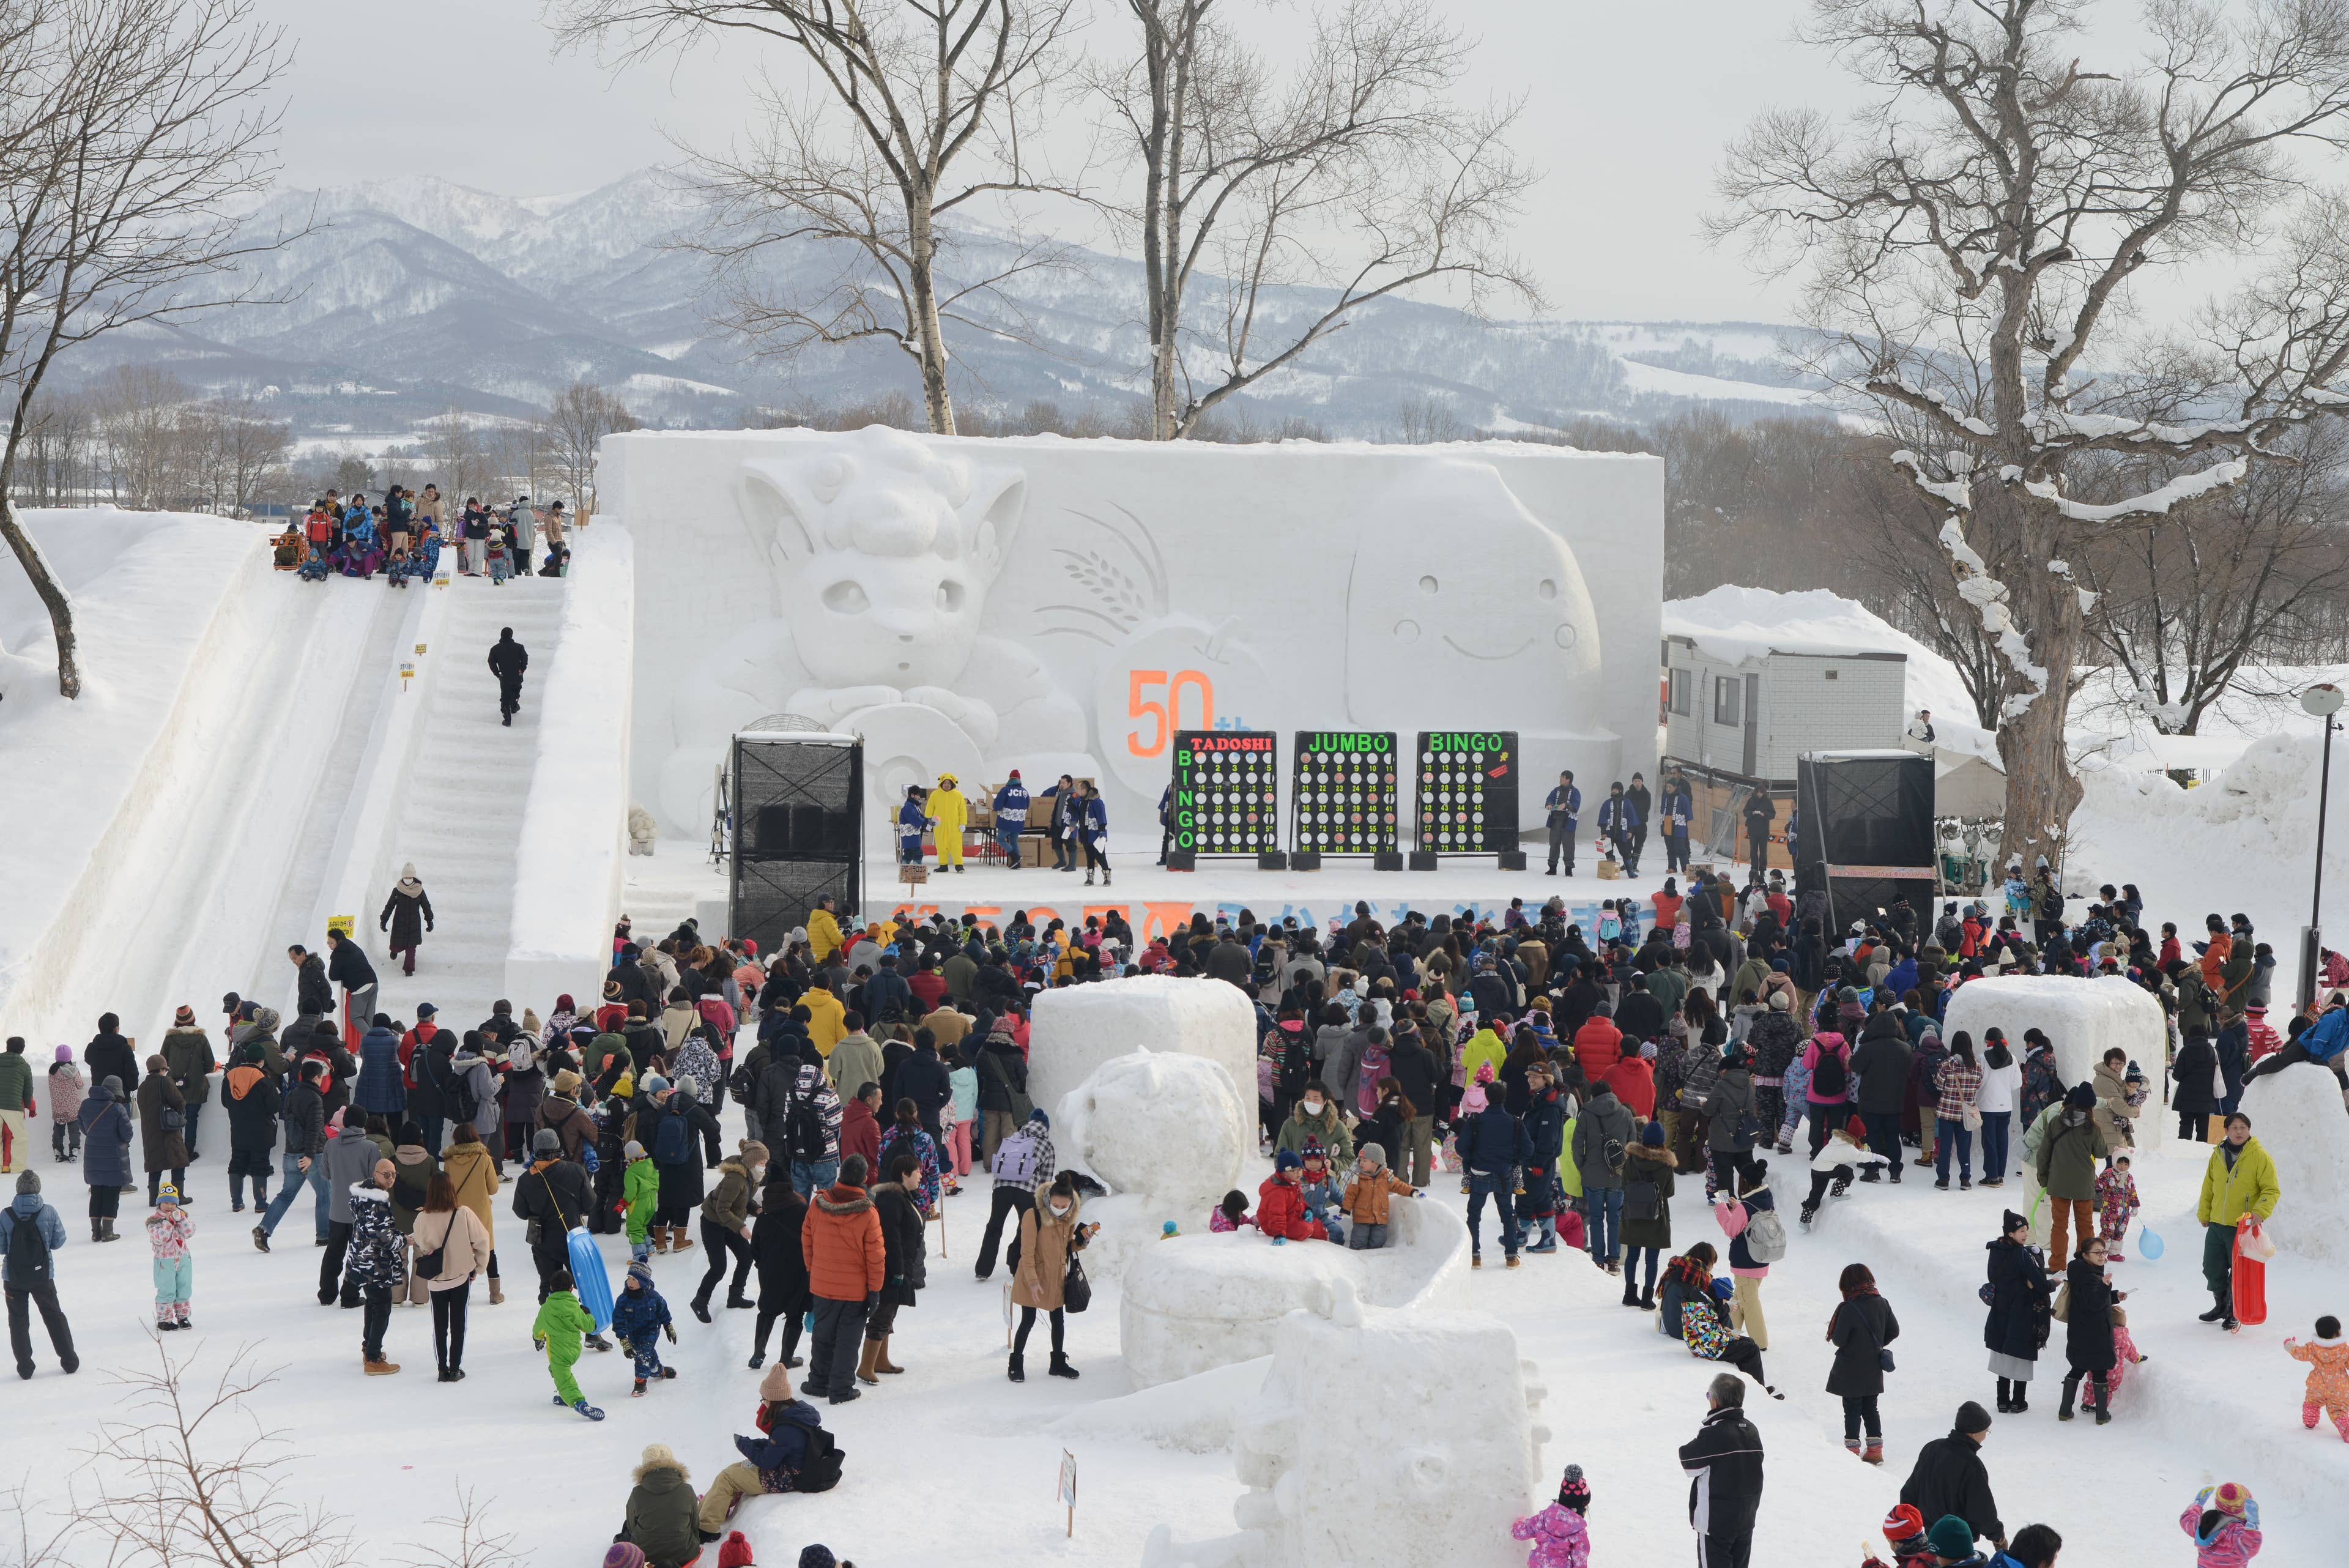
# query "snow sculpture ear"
(990, 517)
(783, 501)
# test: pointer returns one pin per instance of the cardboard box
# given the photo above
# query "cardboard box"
(1035, 849)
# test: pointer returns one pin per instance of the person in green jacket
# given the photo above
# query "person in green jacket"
(2066, 1168)
(1316, 1119)
(562, 1331)
(662, 1518)
(641, 1188)
(2240, 1180)
(1483, 1047)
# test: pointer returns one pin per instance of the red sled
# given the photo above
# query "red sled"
(2250, 1284)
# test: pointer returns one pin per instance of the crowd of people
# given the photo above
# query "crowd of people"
(402, 536)
(1579, 1084)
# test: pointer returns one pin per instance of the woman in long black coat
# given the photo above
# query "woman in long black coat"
(2088, 1331)
(781, 1262)
(2019, 1300)
(904, 1271)
(162, 1147)
(1860, 1328)
(407, 916)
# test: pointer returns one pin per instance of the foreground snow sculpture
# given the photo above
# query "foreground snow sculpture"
(1168, 1129)
(1200, 1301)
(2297, 1117)
(1380, 1440)
(2083, 1017)
(1076, 1029)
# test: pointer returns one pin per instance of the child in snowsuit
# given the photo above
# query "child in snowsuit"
(2328, 1376)
(2116, 1204)
(2225, 1525)
(640, 1188)
(1231, 1213)
(1831, 1168)
(65, 1086)
(1560, 1539)
(2125, 1351)
(638, 1320)
(1795, 1089)
(1322, 1199)
(562, 1330)
(167, 1229)
(1368, 1196)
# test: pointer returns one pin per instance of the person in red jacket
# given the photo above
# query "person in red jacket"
(1597, 1044)
(1634, 1079)
(1281, 1203)
(860, 1126)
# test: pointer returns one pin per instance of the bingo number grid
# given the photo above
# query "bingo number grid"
(1346, 791)
(1467, 791)
(1226, 792)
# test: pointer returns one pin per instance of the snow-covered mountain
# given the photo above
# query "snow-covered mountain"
(403, 296)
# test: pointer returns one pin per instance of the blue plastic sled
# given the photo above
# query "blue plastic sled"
(589, 1276)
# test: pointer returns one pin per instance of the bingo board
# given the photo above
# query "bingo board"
(1345, 791)
(1467, 791)
(1226, 792)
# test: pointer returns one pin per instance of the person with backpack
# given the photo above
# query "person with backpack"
(1827, 1062)
(792, 1453)
(1023, 1165)
(1732, 1128)
(1757, 1239)
(30, 1235)
(1600, 1147)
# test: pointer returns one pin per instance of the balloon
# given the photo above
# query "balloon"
(2148, 1245)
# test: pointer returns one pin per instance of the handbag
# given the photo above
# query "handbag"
(2063, 1312)
(429, 1265)
(1076, 1291)
(1970, 1117)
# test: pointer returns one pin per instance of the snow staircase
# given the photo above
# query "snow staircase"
(461, 814)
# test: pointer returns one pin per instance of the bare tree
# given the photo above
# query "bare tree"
(187, 1477)
(240, 451)
(455, 456)
(39, 1531)
(936, 96)
(583, 414)
(143, 433)
(1420, 422)
(127, 130)
(1353, 174)
(467, 1541)
(55, 464)
(2186, 601)
(1970, 239)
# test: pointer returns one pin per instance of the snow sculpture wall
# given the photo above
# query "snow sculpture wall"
(1204, 1301)
(1167, 1127)
(1380, 1440)
(1056, 606)
(2082, 1017)
(1077, 1028)
(2297, 1117)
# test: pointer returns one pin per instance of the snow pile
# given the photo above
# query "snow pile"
(1380, 1440)
(1199, 1302)
(1195, 1415)
(2085, 1018)
(1170, 1128)
(2299, 1119)
(1076, 1029)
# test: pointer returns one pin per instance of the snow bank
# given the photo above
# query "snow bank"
(1380, 1440)
(1171, 1128)
(1076, 1029)
(2297, 1117)
(2084, 1018)
(1196, 1415)
(1196, 1303)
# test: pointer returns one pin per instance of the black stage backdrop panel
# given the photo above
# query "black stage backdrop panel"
(799, 833)
(1866, 832)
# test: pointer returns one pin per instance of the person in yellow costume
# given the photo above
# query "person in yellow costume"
(951, 811)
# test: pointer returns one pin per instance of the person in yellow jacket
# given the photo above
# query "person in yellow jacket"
(1485, 1047)
(950, 814)
(2240, 1180)
(826, 1019)
(824, 931)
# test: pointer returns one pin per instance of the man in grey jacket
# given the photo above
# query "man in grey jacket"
(350, 1160)
(1603, 1137)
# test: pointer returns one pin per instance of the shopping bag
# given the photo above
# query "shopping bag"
(589, 1278)
(2148, 1245)
(2256, 1242)
(2250, 1281)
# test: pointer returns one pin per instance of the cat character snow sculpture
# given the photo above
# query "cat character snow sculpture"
(882, 552)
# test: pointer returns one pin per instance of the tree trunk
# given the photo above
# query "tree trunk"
(2041, 790)
(930, 336)
(53, 596)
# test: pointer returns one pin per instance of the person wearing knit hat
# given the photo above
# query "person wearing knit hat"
(1560, 1538)
(2225, 1525)
(624, 1554)
(640, 1318)
(789, 1452)
(821, 1557)
(1950, 1478)
(662, 1514)
(1574, 1490)
(1953, 1541)
(167, 1229)
(640, 1191)
(734, 1552)
(1904, 1531)
(26, 1219)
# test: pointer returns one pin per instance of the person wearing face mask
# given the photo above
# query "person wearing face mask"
(1315, 1120)
(1050, 1235)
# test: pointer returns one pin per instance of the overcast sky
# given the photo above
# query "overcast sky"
(1627, 109)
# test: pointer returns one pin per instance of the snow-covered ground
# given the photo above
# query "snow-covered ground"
(950, 1451)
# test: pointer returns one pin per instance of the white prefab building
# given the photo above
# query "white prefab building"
(1750, 711)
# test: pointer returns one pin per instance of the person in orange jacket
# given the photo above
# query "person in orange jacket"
(848, 1261)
